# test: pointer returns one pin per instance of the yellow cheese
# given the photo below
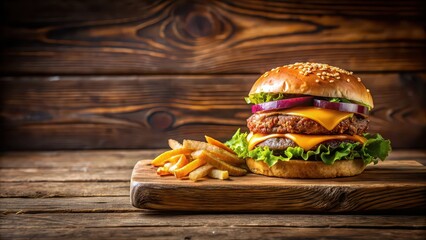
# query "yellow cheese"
(306, 142)
(328, 118)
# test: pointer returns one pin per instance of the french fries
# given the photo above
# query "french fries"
(218, 144)
(219, 152)
(165, 156)
(219, 164)
(173, 144)
(164, 170)
(196, 160)
(219, 174)
(185, 170)
(200, 172)
(180, 163)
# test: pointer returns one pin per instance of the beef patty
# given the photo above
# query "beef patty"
(277, 144)
(281, 123)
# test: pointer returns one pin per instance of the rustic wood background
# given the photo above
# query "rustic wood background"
(94, 74)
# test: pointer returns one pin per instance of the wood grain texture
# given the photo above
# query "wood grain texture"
(139, 37)
(418, 155)
(87, 208)
(46, 189)
(160, 220)
(212, 232)
(70, 204)
(94, 160)
(64, 175)
(394, 186)
(103, 159)
(66, 112)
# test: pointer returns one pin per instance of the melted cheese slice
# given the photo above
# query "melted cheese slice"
(306, 142)
(328, 118)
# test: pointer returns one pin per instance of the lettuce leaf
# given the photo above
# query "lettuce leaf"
(262, 97)
(375, 148)
(344, 100)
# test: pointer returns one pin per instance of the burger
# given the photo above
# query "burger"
(309, 120)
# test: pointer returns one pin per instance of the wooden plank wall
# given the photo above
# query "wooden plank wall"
(90, 74)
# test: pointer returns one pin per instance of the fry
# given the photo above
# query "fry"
(163, 171)
(200, 172)
(162, 158)
(226, 159)
(222, 154)
(195, 154)
(173, 144)
(180, 163)
(218, 144)
(185, 170)
(221, 165)
(219, 174)
(174, 159)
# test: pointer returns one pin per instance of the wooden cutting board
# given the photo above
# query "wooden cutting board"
(394, 185)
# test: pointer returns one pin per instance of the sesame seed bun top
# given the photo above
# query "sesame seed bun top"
(313, 79)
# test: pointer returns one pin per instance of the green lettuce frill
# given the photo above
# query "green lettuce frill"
(375, 148)
(257, 98)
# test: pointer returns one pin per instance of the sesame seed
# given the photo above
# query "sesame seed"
(317, 80)
(359, 79)
(309, 68)
(331, 81)
(368, 90)
(337, 77)
(348, 80)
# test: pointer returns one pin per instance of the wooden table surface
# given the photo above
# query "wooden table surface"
(85, 194)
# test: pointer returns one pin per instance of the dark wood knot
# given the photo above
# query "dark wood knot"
(198, 22)
(161, 120)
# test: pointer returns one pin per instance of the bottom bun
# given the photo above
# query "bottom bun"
(307, 169)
